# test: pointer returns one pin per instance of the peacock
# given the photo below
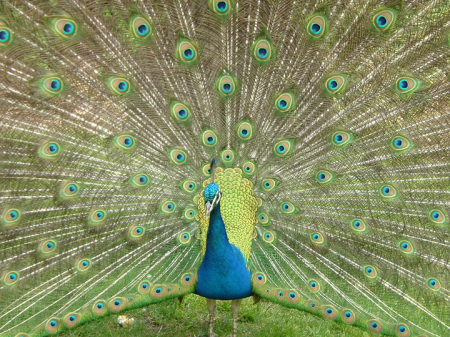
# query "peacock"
(293, 151)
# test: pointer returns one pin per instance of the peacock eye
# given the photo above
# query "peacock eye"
(262, 50)
(209, 138)
(226, 86)
(245, 131)
(141, 27)
(316, 26)
(249, 168)
(388, 192)
(187, 51)
(178, 157)
(5, 36)
(221, 7)
(335, 84)
(184, 237)
(268, 236)
(407, 85)
(53, 85)
(65, 27)
(384, 19)
(284, 102)
(283, 148)
(119, 85)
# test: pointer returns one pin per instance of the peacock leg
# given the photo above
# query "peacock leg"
(234, 310)
(211, 308)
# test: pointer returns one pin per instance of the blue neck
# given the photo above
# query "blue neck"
(217, 239)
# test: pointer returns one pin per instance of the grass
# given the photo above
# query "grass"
(190, 318)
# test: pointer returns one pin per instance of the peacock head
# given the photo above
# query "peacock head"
(212, 192)
(212, 196)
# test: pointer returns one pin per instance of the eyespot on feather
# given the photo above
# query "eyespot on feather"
(189, 213)
(384, 19)
(99, 307)
(52, 85)
(125, 141)
(227, 156)
(437, 216)
(144, 287)
(329, 312)
(268, 184)
(388, 191)
(180, 111)
(47, 247)
(406, 85)
(262, 50)
(433, 284)
(317, 238)
(50, 150)
(341, 138)
(11, 277)
(189, 186)
(313, 305)
(119, 85)
(336, 84)
(141, 27)
(140, 180)
(53, 325)
(259, 278)
(358, 225)
(187, 51)
(400, 144)
(370, 271)
(5, 36)
(136, 232)
(96, 216)
(117, 304)
(70, 190)
(178, 157)
(284, 102)
(221, 7)
(226, 85)
(406, 247)
(316, 26)
(184, 238)
(268, 236)
(65, 27)
(71, 319)
(375, 326)
(209, 138)
(158, 291)
(168, 207)
(287, 207)
(283, 147)
(348, 316)
(245, 130)
(324, 177)
(11, 216)
(314, 286)
(188, 279)
(83, 265)
(402, 330)
(248, 168)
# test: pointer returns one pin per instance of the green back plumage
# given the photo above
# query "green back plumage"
(332, 115)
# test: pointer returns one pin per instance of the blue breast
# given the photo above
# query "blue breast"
(223, 274)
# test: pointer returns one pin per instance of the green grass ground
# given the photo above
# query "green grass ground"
(190, 318)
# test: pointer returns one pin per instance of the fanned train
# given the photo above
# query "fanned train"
(294, 151)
